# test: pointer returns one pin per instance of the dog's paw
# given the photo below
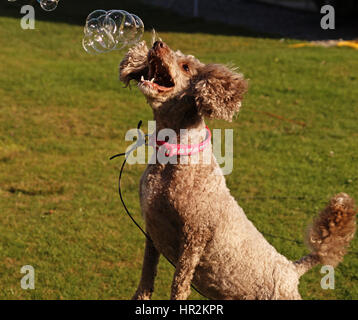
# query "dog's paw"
(142, 295)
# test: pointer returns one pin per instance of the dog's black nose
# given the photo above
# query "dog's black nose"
(158, 45)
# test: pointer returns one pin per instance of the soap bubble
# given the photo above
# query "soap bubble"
(140, 28)
(48, 5)
(111, 30)
(128, 28)
(96, 14)
(99, 34)
(88, 44)
(118, 17)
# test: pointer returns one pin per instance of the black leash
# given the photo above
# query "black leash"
(141, 141)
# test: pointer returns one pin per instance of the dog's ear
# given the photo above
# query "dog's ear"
(133, 63)
(218, 91)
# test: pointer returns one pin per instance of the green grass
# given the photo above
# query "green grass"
(63, 113)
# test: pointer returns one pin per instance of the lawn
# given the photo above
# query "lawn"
(63, 113)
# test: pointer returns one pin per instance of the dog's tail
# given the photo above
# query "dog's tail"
(330, 234)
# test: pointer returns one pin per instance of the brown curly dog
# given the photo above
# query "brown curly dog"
(189, 212)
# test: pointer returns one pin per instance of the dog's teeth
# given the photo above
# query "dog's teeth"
(152, 80)
(142, 78)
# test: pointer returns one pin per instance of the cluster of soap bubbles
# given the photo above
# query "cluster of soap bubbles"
(111, 30)
(47, 5)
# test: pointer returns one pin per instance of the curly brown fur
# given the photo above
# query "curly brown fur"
(218, 91)
(330, 234)
(135, 59)
(189, 212)
(333, 230)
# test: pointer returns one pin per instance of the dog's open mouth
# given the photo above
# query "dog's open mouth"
(157, 75)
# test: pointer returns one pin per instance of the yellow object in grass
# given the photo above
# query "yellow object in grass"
(351, 44)
(329, 43)
(301, 45)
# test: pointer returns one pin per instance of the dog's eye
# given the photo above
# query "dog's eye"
(185, 67)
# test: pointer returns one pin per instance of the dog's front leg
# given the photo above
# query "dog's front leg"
(149, 271)
(188, 261)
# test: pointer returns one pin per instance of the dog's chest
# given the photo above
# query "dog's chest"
(162, 219)
(173, 190)
(171, 197)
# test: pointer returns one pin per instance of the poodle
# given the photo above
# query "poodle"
(190, 215)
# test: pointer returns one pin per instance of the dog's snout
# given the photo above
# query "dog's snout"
(158, 45)
(160, 49)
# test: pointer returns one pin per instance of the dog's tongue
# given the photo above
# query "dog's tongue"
(158, 87)
(155, 85)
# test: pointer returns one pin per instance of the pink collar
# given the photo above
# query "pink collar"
(172, 149)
